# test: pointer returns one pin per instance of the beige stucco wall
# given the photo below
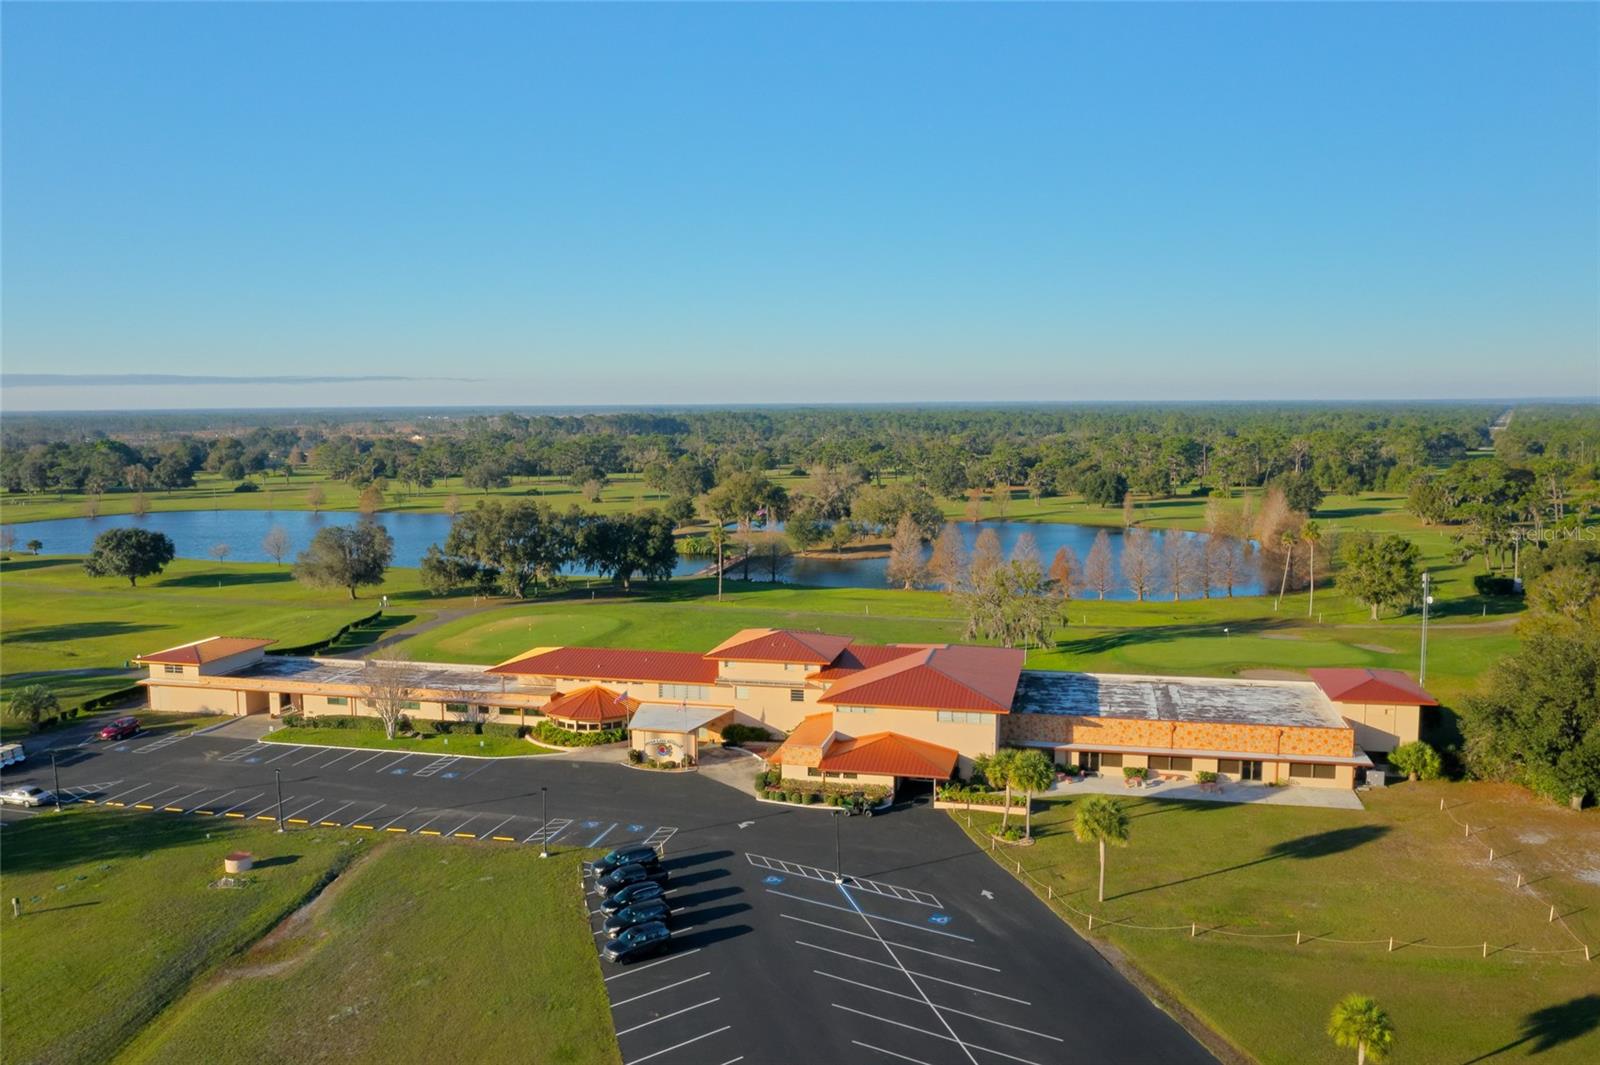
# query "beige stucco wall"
(177, 699)
(646, 740)
(968, 740)
(233, 662)
(801, 772)
(1382, 728)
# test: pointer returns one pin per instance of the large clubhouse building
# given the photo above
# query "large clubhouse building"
(849, 711)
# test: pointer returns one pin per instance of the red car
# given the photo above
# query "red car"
(120, 729)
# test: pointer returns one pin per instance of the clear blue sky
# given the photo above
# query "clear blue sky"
(745, 204)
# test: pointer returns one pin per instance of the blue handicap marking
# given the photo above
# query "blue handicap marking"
(397, 772)
(635, 828)
(773, 880)
(591, 824)
(253, 760)
(120, 747)
(939, 918)
(449, 776)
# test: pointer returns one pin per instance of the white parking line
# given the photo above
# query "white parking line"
(925, 976)
(215, 799)
(902, 946)
(364, 761)
(303, 809)
(549, 830)
(341, 758)
(891, 1053)
(875, 917)
(243, 752)
(667, 1016)
(463, 824)
(596, 841)
(286, 754)
(386, 824)
(123, 795)
(333, 812)
(366, 817)
(936, 1035)
(657, 991)
(236, 805)
(312, 756)
(150, 796)
(944, 1009)
(428, 822)
(436, 765)
(686, 1042)
(497, 828)
(391, 765)
(652, 964)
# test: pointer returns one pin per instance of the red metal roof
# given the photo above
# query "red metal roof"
(1385, 686)
(780, 645)
(591, 704)
(207, 650)
(614, 663)
(956, 677)
(812, 730)
(859, 656)
(889, 754)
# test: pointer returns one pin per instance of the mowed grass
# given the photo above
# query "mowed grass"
(1401, 868)
(119, 919)
(480, 746)
(431, 951)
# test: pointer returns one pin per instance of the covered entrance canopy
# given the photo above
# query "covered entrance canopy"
(672, 733)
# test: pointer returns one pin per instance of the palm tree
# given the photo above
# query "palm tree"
(1287, 539)
(1031, 771)
(1099, 819)
(998, 773)
(1357, 1021)
(1311, 533)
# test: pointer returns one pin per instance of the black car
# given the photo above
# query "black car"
(640, 941)
(643, 891)
(638, 913)
(638, 854)
(624, 875)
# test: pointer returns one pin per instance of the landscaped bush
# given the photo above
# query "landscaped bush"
(636, 757)
(247, 486)
(975, 796)
(1205, 776)
(495, 728)
(734, 735)
(560, 737)
(1417, 760)
(1493, 584)
(1135, 772)
(334, 721)
(1011, 832)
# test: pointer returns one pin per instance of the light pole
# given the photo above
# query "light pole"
(277, 780)
(1427, 601)
(544, 837)
(838, 864)
(56, 772)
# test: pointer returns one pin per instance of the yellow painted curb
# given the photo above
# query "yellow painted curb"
(466, 835)
(89, 802)
(205, 813)
(173, 809)
(143, 806)
(240, 816)
(505, 839)
(394, 830)
(298, 821)
(116, 804)
(367, 827)
(264, 817)
(329, 824)
(430, 832)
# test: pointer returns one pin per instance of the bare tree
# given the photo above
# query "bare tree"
(1181, 562)
(8, 539)
(220, 551)
(452, 505)
(986, 557)
(1231, 555)
(1140, 562)
(1065, 572)
(371, 500)
(1025, 553)
(277, 544)
(949, 562)
(315, 497)
(91, 505)
(773, 551)
(140, 505)
(387, 689)
(1097, 572)
(1000, 496)
(1127, 510)
(905, 555)
(974, 504)
(592, 489)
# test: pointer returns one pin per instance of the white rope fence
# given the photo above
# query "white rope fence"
(1196, 930)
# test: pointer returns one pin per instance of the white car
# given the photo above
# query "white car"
(26, 795)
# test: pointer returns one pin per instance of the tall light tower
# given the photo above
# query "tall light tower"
(1427, 601)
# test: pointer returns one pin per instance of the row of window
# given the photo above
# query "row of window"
(813, 771)
(1313, 772)
(962, 717)
(1232, 767)
(681, 691)
(172, 669)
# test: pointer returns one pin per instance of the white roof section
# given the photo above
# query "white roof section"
(1289, 703)
(665, 717)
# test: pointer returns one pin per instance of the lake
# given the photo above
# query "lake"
(195, 532)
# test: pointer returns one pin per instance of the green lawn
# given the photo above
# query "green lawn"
(1401, 868)
(120, 919)
(431, 951)
(484, 746)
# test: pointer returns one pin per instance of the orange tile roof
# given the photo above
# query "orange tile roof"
(591, 704)
(955, 677)
(889, 754)
(1387, 686)
(200, 652)
(614, 663)
(780, 645)
(859, 656)
(812, 731)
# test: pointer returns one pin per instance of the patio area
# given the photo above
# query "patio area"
(1290, 795)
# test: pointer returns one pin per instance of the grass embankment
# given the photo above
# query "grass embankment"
(1402, 868)
(479, 746)
(125, 953)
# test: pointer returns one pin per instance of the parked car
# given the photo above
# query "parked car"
(625, 875)
(120, 729)
(26, 795)
(12, 754)
(639, 913)
(638, 854)
(640, 941)
(643, 891)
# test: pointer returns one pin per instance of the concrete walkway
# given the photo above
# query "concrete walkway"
(1289, 795)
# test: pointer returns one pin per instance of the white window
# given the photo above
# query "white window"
(741, 693)
(172, 669)
(853, 709)
(681, 691)
(960, 717)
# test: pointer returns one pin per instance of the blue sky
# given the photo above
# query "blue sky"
(617, 204)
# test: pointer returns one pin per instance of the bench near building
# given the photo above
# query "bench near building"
(850, 711)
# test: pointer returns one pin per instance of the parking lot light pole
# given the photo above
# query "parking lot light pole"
(838, 864)
(277, 780)
(56, 772)
(544, 836)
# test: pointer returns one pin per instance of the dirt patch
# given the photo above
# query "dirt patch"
(1377, 648)
(1271, 674)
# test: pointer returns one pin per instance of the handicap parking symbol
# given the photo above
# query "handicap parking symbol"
(397, 772)
(253, 759)
(635, 828)
(449, 776)
(939, 918)
(591, 824)
(773, 880)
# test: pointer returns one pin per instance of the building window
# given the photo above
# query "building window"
(172, 669)
(338, 700)
(847, 776)
(813, 771)
(1163, 761)
(456, 708)
(797, 695)
(960, 717)
(741, 693)
(1304, 771)
(410, 704)
(1229, 765)
(1110, 760)
(852, 709)
(507, 710)
(681, 691)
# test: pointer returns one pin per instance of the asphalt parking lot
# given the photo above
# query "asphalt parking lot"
(926, 952)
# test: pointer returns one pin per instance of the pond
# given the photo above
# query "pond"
(195, 532)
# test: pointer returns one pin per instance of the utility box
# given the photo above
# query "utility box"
(238, 862)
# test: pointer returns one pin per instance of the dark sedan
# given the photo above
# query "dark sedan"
(628, 875)
(638, 854)
(643, 891)
(640, 941)
(638, 913)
